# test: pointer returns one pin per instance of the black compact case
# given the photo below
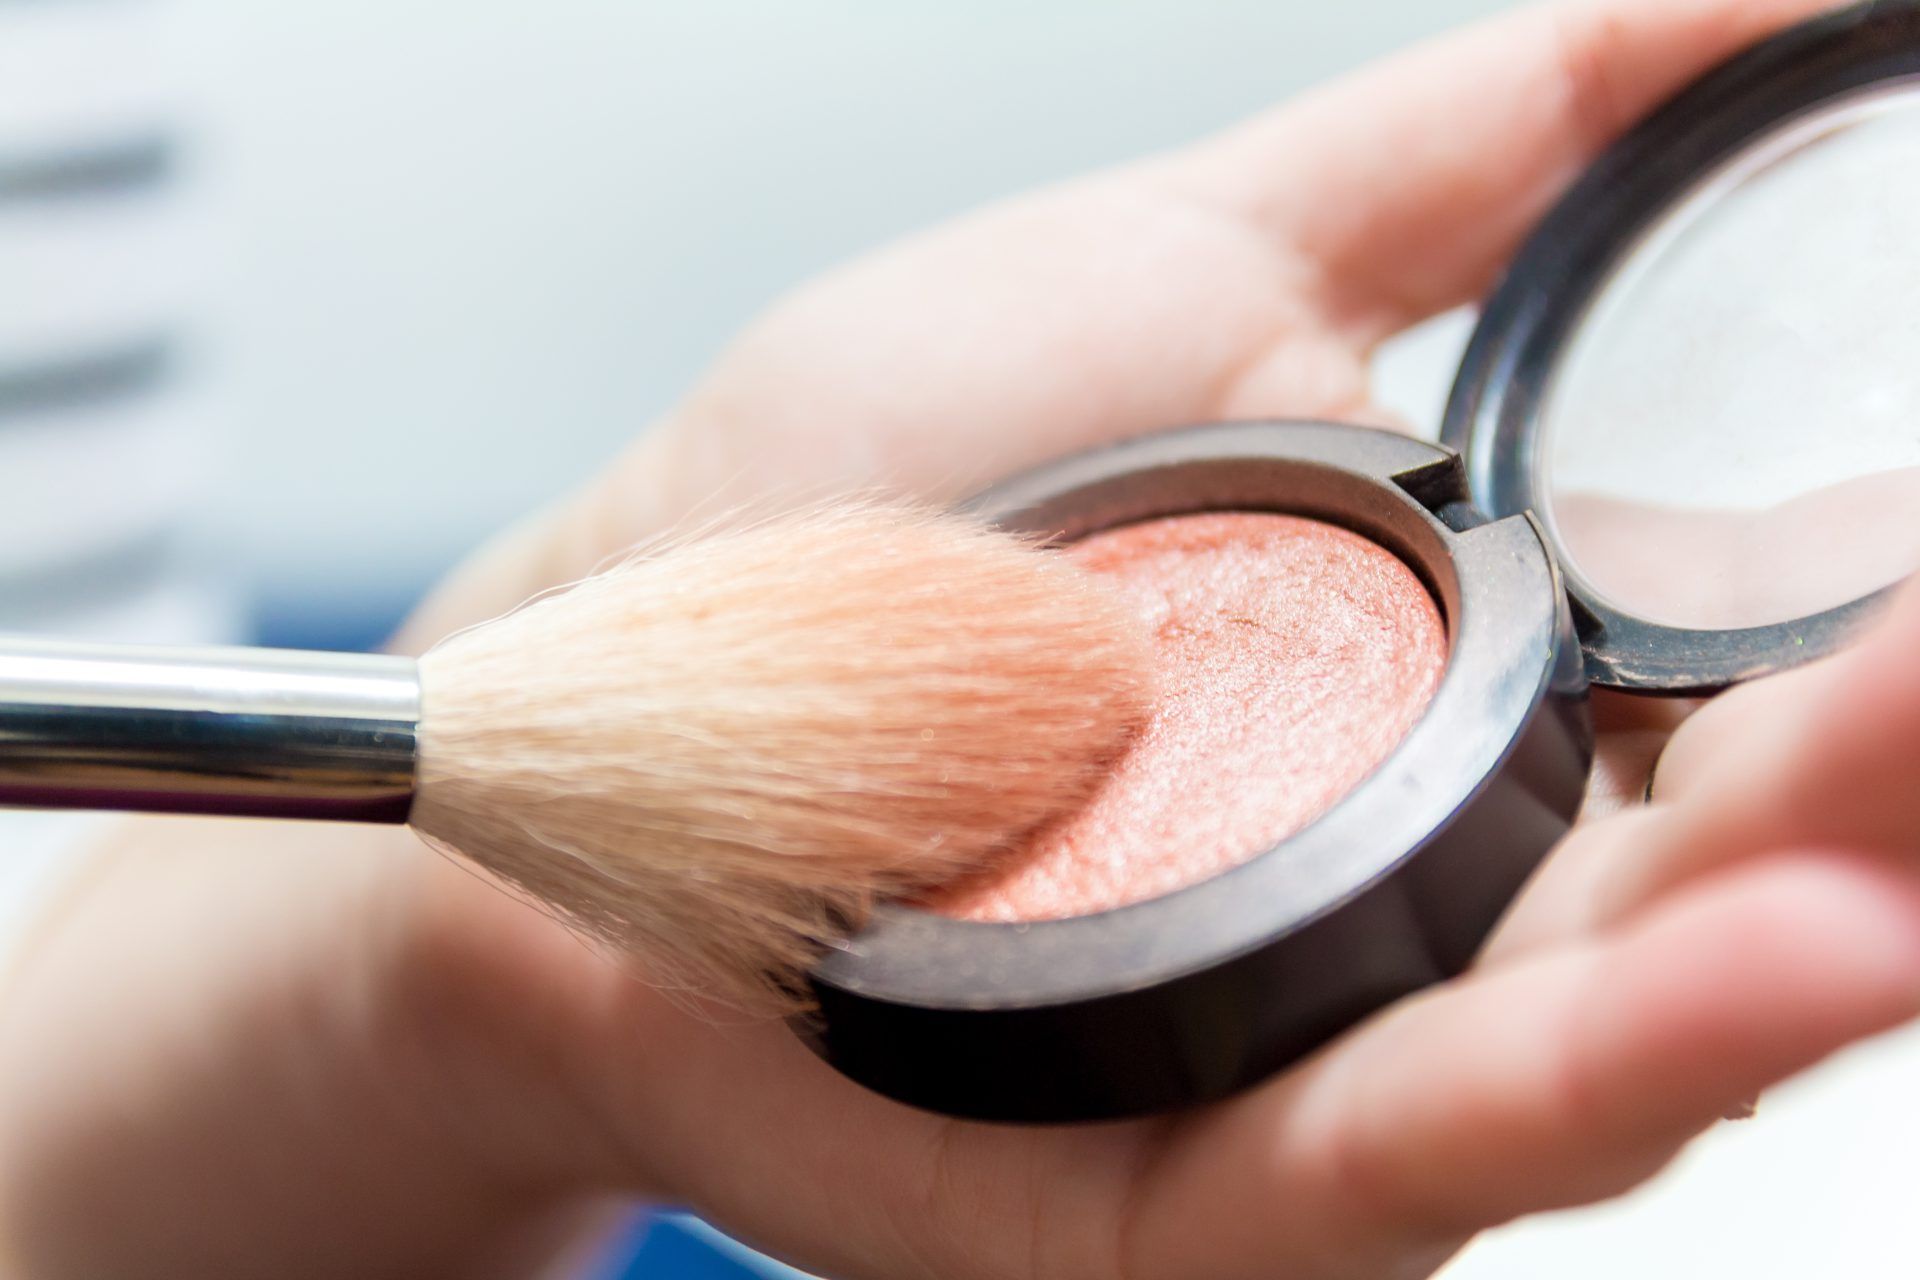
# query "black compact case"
(1195, 994)
(1494, 414)
(1190, 996)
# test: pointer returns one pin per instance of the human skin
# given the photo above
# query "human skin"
(242, 1049)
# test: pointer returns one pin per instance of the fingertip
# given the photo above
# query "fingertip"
(1878, 682)
(1749, 977)
(1820, 754)
(1630, 1045)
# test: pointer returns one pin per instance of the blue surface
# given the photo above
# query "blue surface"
(362, 623)
(670, 1248)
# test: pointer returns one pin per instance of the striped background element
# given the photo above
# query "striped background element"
(100, 444)
(101, 431)
(97, 463)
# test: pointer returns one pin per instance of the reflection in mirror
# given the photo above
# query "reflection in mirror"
(1732, 436)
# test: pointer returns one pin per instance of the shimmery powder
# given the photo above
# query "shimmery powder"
(1293, 656)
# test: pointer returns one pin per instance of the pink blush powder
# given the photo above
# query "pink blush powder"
(1292, 657)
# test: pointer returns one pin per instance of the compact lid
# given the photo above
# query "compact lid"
(1702, 369)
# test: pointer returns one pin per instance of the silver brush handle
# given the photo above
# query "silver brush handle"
(244, 732)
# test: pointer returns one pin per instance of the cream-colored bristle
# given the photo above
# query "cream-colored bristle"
(718, 757)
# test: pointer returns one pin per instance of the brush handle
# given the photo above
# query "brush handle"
(242, 732)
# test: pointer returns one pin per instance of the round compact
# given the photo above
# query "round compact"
(1081, 983)
(1699, 372)
(1680, 452)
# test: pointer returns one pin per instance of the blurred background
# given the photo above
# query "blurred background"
(299, 302)
(420, 266)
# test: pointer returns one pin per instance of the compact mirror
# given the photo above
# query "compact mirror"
(1732, 437)
(1702, 370)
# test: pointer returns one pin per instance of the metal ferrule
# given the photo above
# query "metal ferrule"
(242, 732)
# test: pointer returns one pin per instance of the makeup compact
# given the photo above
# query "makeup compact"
(1702, 370)
(1680, 452)
(1371, 725)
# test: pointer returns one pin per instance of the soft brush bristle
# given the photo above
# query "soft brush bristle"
(719, 757)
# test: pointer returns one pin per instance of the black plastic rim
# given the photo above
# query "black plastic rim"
(1493, 412)
(1193, 995)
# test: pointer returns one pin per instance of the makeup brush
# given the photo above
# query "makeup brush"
(715, 757)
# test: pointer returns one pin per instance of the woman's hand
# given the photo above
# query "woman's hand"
(243, 1049)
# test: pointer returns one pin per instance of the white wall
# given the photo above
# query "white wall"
(464, 250)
